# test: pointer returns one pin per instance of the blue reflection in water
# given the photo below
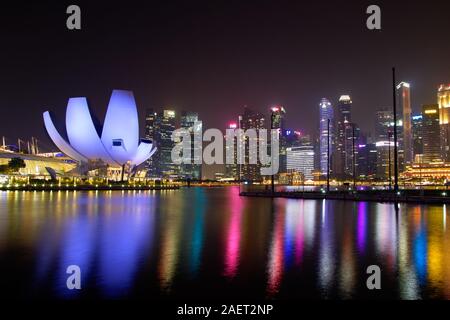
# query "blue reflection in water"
(292, 216)
(125, 239)
(197, 234)
(420, 255)
(327, 249)
(77, 249)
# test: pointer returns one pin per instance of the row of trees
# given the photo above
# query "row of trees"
(13, 166)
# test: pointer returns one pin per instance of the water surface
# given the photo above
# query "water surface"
(212, 244)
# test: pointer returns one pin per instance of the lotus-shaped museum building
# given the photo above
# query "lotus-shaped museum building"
(119, 142)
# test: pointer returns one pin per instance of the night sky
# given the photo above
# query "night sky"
(213, 57)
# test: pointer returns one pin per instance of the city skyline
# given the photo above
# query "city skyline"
(302, 47)
(235, 158)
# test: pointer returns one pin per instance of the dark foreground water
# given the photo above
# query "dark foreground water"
(212, 244)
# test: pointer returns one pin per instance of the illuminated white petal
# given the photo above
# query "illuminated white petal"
(120, 134)
(59, 141)
(82, 133)
(144, 152)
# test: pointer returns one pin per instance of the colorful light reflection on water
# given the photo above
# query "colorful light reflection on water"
(212, 243)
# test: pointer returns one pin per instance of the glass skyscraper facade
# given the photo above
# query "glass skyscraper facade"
(159, 128)
(301, 159)
(404, 120)
(431, 133)
(192, 158)
(443, 97)
(325, 136)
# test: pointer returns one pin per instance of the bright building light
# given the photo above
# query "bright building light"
(345, 98)
(384, 144)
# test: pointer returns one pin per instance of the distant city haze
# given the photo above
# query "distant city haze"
(214, 58)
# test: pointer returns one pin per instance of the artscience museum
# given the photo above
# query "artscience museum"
(115, 144)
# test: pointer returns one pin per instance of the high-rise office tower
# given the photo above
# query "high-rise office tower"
(325, 136)
(342, 120)
(295, 138)
(251, 120)
(352, 136)
(366, 161)
(301, 159)
(279, 115)
(443, 96)
(232, 169)
(159, 128)
(404, 115)
(385, 159)
(343, 136)
(417, 132)
(278, 121)
(151, 127)
(166, 127)
(384, 124)
(431, 133)
(192, 170)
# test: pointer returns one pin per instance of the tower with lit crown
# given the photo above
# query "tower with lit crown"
(325, 137)
(404, 123)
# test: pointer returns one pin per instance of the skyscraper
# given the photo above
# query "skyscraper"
(325, 137)
(166, 127)
(159, 128)
(443, 97)
(385, 159)
(417, 132)
(279, 114)
(343, 146)
(278, 121)
(366, 161)
(192, 170)
(151, 127)
(231, 169)
(431, 133)
(404, 115)
(251, 120)
(384, 124)
(301, 159)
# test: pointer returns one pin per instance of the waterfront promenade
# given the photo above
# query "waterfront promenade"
(410, 196)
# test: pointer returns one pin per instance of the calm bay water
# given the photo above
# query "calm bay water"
(213, 244)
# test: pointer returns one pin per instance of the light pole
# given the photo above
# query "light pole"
(328, 155)
(238, 154)
(272, 180)
(420, 173)
(353, 158)
(389, 159)
(395, 132)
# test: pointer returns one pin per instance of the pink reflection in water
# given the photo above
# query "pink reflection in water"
(276, 259)
(232, 253)
(299, 241)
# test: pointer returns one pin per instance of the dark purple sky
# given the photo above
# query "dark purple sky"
(215, 56)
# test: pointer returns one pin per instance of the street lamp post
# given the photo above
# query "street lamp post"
(238, 155)
(389, 159)
(395, 132)
(272, 180)
(328, 155)
(354, 156)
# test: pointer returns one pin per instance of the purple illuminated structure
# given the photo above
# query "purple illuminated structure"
(119, 141)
